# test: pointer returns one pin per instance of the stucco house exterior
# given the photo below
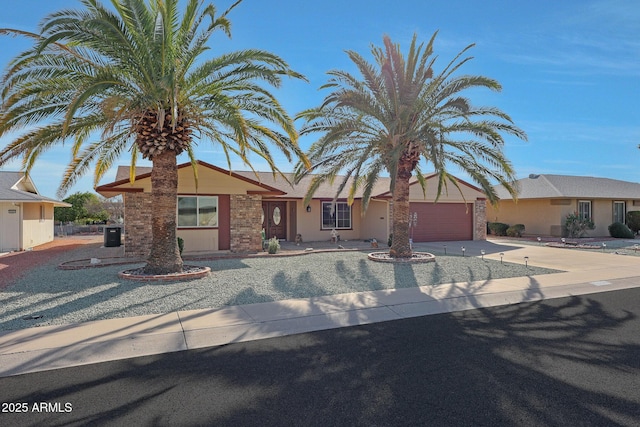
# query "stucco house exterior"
(228, 210)
(544, 201)
(26, 217)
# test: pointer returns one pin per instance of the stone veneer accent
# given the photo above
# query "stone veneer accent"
(480, 218)
(137, 232)
(246, 212)
(246, 227)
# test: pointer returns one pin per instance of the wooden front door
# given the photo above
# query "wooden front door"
(275, 219)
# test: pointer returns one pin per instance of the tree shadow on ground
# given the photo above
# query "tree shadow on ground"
(568, 361)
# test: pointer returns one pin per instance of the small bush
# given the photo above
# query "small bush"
(620, 231)
(515, 230)
(498, 228)
(274, 245)
(180, 244)
(633, 221)
(574, 226)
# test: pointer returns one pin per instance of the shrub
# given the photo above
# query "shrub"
(633, 221)
(515, 230)
(574, 226)
(180, 244)
(274, 245)
(498, 228)
(620, 231)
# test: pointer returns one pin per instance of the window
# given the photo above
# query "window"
(197, 211)
(336, 215)
(584, 209)
(619, 209)
(42, 213)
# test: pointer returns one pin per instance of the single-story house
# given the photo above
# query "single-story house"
(228, 210)
(544, 201)
(26, 217)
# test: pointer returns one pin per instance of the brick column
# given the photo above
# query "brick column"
(480, 219)
(137, 227)
(246, 211)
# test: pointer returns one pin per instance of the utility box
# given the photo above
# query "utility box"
(112, 237)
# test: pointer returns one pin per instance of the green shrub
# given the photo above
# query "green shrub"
(633, 221)
(515, 230)
(274, 245)
(574, 226)
(498, 228)
(180, 244)
(620, 231)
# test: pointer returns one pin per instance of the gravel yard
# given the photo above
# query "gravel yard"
(44, 295)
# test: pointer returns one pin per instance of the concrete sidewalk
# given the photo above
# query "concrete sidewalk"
(52, 347)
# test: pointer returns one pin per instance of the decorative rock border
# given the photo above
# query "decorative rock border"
(416, 258)
(572, 245)
(81, 264)
(188, 275)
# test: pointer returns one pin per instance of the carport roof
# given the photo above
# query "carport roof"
(576, 187)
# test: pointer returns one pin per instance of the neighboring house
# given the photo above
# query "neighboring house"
(228, 210)
(26, 217)
(544, 201)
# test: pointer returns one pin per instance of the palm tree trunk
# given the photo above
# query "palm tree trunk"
(400, 247)
(165, 256)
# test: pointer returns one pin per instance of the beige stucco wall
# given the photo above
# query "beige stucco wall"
(209, 182)
(199, 240)
(36, 231)
(309, 224)
(449, 194)
(540, 217)
(375, 223)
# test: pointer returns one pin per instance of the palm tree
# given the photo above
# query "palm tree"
(397, 114)
(136, 74)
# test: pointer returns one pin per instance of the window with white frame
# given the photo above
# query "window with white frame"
(197, 211)
(619, 210)
(336, 215)
(584, 209)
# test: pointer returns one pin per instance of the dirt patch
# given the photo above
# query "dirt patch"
(14, 265)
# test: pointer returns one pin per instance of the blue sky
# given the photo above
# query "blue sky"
(570, 70)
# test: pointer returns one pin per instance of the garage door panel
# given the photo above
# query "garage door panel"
(443, 221)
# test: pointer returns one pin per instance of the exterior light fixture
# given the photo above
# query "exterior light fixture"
(445, 249)
(463, 249)
(526, 262)
(539, 240)
(604, 247)
(482, 252)
(308, 208)
(635, 248)
(501, 255)
(564, 240)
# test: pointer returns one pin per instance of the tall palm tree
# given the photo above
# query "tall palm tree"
(397, 113)
(136, 74)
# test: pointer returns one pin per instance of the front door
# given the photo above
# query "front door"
(9, 227)
(275, 219)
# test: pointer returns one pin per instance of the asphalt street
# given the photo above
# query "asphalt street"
(560, 362)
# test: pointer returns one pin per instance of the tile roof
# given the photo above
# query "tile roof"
(565, 186)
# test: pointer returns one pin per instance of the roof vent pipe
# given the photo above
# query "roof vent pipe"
(533, 176)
